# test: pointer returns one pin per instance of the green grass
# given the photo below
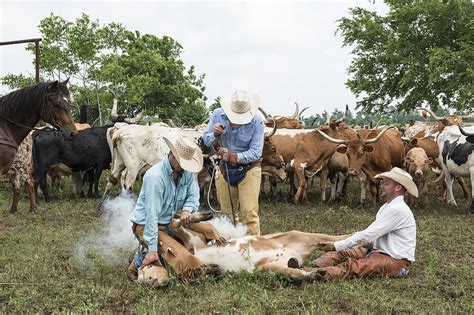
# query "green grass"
(40, 270)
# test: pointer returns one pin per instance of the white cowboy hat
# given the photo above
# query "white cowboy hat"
(401, 177)
(186, 151)
(240, 107)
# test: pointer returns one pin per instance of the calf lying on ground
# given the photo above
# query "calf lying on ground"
(266, 252)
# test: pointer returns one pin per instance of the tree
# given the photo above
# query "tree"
(145, 71)
(421, 52)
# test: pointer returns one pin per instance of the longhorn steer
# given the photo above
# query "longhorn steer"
(290, 122)
(456, 146)
(421, 130)
(374, 152)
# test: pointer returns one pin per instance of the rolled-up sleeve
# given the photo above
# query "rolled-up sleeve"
(152, 186)
(256, 145)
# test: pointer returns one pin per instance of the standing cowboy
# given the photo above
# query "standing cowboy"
(240, 133)
(168, 187)
(391, 238)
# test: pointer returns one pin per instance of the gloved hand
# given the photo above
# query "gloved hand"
(228, 156)
(218, 130)
(151, 258)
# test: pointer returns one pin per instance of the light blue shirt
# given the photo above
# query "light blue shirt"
(160, 198)
(246, 140)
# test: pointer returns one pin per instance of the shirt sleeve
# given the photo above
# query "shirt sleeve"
(153, 206)
(191, 203)
(256, 145)
(382, 225)
(208, 136)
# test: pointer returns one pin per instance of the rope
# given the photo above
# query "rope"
(214, 169)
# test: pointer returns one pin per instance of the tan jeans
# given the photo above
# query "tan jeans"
(355, 262)
(244, 199)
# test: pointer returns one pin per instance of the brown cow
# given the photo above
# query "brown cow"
(374, 152)
(417, 163)
(289, 122)
(431, 148)
(275, 252)
(20, 173)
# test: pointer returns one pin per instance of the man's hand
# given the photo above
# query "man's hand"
(327, 246)
(218, 130)
(151, 257)
(228, 156)
(185, 217)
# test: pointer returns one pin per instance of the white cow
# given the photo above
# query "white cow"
(136, 148)
(456, 149)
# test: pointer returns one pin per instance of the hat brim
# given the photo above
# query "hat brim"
(193, 165)
(409, 185)
(243, 118)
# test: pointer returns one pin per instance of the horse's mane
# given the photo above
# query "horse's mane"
(19, 105)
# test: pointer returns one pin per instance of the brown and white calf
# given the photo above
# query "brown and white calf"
(251, 253)
(417, 163)
(20, 173)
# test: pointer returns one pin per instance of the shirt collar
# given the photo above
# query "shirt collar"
(169, 169)
(396, 200)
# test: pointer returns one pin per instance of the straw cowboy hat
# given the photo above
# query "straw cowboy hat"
(240, 107)
(186, 151)
(401, 177)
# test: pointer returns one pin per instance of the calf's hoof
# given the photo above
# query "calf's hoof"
(202, 216)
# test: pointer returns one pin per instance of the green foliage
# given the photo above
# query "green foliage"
(145, 71)
(422, 51)
(215, 105)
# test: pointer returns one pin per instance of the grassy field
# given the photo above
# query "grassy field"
(41, 270)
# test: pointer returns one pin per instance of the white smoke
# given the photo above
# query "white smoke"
(226, 229)
(114, 241)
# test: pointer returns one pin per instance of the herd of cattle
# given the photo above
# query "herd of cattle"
(333, 151)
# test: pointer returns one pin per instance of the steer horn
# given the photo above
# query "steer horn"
(136, 119)
(464, 132)
(338, 141)
(379, 135)
(113, 112)
(430, 112)
(273, 131)
(470, 116)
(299, 116)
(267, 117)
(295, 114)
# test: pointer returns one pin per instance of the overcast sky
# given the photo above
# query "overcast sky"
(283, 51)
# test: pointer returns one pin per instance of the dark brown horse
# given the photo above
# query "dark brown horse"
(21, 110)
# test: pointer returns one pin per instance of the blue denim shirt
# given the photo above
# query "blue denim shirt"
(160, 199)
(246, 140)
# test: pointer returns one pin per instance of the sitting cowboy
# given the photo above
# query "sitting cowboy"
(240, 134)
(386, 247)
(167, 187)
